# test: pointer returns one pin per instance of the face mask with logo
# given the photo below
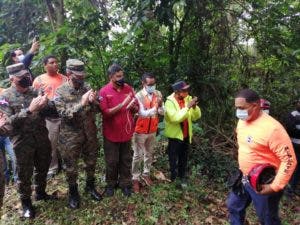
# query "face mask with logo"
(242, 114)
(25, 82)
(20, 57)
(120, 82)
(150, 89)
(266, 111)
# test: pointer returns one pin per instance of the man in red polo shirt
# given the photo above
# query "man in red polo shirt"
(118, 106)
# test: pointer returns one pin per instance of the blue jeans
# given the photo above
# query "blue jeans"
(6, 145)
(266, 206)
(296, 176)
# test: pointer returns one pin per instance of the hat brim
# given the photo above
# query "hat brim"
(78, 73)
(20, 73)
(186, 87)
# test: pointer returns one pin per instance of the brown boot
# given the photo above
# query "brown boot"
(147, 180)
(136, 186)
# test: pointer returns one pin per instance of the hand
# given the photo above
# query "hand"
(192, 103)
(92, 96)
(134, 108)
(266, 189)
(159, 102)
(126, 100)
(3, 119)
(85, 98)
(35, 104)
(34, 47)
(43, 102)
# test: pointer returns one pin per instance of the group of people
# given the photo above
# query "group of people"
(55, 114)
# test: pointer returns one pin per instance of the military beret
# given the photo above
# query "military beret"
(17, 69)
(76, 66)
(180, 85)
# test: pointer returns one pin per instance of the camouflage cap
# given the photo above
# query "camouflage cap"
(17, 69)
(76, 66)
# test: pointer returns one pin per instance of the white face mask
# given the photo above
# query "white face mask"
(20, 57)
(266, 111)
(150, 89)
(242, 114)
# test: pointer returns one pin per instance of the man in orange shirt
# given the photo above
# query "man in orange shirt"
(261, 139)
(47, 84)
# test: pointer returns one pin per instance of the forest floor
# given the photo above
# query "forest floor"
(202, 202)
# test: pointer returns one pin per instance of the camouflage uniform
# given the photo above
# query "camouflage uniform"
(2, 181)
(78, 134)
(29, 137)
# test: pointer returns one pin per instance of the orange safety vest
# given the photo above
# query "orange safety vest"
(147, 125)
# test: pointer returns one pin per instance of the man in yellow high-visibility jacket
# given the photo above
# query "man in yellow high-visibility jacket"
(180, 111)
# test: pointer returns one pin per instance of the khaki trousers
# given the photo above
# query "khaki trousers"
(53, 126)
(143, 145)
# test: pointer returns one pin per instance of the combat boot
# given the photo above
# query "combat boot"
(74, 198)
(28, 210)
(42, 195)
(90, 188)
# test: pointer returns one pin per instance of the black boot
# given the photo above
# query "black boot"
(42, 195)
(28, 210)
(74, 198)
(90, 188)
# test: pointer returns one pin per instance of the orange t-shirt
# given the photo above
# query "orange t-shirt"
(264, 140)
(49, 84)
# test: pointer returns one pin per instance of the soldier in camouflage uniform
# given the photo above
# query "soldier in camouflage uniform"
(3, 129)
(2, 182)
(26, 127)
(77, 106)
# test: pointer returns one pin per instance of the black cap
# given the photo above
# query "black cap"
(180, 85)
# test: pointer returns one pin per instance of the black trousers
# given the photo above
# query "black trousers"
(118, 158)
(178, 155)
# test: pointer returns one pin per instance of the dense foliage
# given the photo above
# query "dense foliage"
(217, 46)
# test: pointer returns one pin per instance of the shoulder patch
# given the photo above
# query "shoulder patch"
(3, 102)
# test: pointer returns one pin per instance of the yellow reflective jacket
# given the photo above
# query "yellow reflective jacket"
(174, 116)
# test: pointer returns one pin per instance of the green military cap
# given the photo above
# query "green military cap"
(76, 66)
(17, 69)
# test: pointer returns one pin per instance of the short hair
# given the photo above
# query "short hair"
(12, 54)
(249, 95)
(114, 68)
(45, 59)
(147, 75)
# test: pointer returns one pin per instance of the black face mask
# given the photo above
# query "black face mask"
(120, 82)
(25, 82)
(77, 82)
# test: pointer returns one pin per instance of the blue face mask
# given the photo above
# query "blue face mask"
(150, 89)
(20, 57)
(242, 114)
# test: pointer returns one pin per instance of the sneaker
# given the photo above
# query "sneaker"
(183, 184)
(109, 192)
(147, 180)
(126, 191)
(136, 186)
